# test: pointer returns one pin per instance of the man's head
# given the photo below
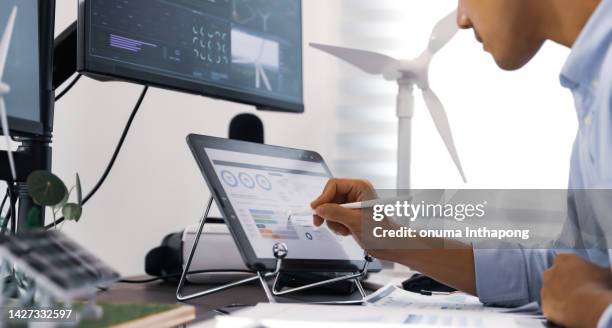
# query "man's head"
(509, 29)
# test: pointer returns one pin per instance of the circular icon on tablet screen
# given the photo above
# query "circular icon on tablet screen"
(263, 182)
(229, 178)
(246, 180)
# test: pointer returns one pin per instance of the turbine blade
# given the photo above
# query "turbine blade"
(367, 61)
(443, 32)
(6, 40)
(264, 77)
(7, 137)
(436, 109)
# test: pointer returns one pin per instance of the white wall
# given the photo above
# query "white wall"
(512, 129)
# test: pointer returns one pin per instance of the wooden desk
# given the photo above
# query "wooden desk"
(164, 293)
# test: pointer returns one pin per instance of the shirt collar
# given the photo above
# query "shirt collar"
(589, 49)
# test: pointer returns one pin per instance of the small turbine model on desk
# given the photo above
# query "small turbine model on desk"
(408, 73)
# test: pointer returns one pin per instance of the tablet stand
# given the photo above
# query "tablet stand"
(280, 251)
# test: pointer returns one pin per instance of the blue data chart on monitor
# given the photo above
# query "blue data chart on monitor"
(244, 50)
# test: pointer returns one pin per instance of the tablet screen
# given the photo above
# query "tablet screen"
(263, 189)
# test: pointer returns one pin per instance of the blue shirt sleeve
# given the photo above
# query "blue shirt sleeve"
(606, 319)
(510, 276)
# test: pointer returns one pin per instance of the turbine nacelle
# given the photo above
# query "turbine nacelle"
(415, 70)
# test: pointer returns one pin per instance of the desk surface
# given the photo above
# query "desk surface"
(164, 293)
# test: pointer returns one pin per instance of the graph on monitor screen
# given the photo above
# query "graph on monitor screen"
(247, 46)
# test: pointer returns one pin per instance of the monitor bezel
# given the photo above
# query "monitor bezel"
(118, 73)
(46, 27)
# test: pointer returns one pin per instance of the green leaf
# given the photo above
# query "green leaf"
(72, 212)
(79, 190)
(33, 220)
(45, 188)
(63, 202)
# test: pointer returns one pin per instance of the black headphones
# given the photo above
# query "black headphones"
(166, 261)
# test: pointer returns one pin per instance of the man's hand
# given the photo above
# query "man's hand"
(342, 221)
(575, 293)
(453, 266)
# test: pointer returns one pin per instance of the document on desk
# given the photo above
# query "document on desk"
(392, 296)
(301, 315)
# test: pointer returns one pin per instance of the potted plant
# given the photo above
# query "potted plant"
(48, 190)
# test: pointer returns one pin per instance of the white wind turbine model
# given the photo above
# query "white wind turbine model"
(408, 73)
(260, 72)
(259, 60)
(5, 43)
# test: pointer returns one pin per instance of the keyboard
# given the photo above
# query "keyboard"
(57, 264)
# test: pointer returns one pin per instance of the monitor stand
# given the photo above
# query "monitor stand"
(33, 154)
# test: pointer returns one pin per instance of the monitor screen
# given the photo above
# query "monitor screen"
(19, 28)
(249, 51)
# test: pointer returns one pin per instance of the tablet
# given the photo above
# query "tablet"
(255, 186)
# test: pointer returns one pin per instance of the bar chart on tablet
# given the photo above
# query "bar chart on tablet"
(270, 225)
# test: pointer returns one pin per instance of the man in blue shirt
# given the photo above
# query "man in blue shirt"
(574, 288)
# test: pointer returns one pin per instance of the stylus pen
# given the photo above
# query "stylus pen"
(354, 206)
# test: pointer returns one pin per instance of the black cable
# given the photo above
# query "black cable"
(10, 217)
(13, 201)
(6, 194)
(145, 281)
(111, 163)
(222, 311)
(175, 275)
(65, 91)
(6, 218)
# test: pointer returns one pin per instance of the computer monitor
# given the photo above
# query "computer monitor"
(26, 27)
(247, 51)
